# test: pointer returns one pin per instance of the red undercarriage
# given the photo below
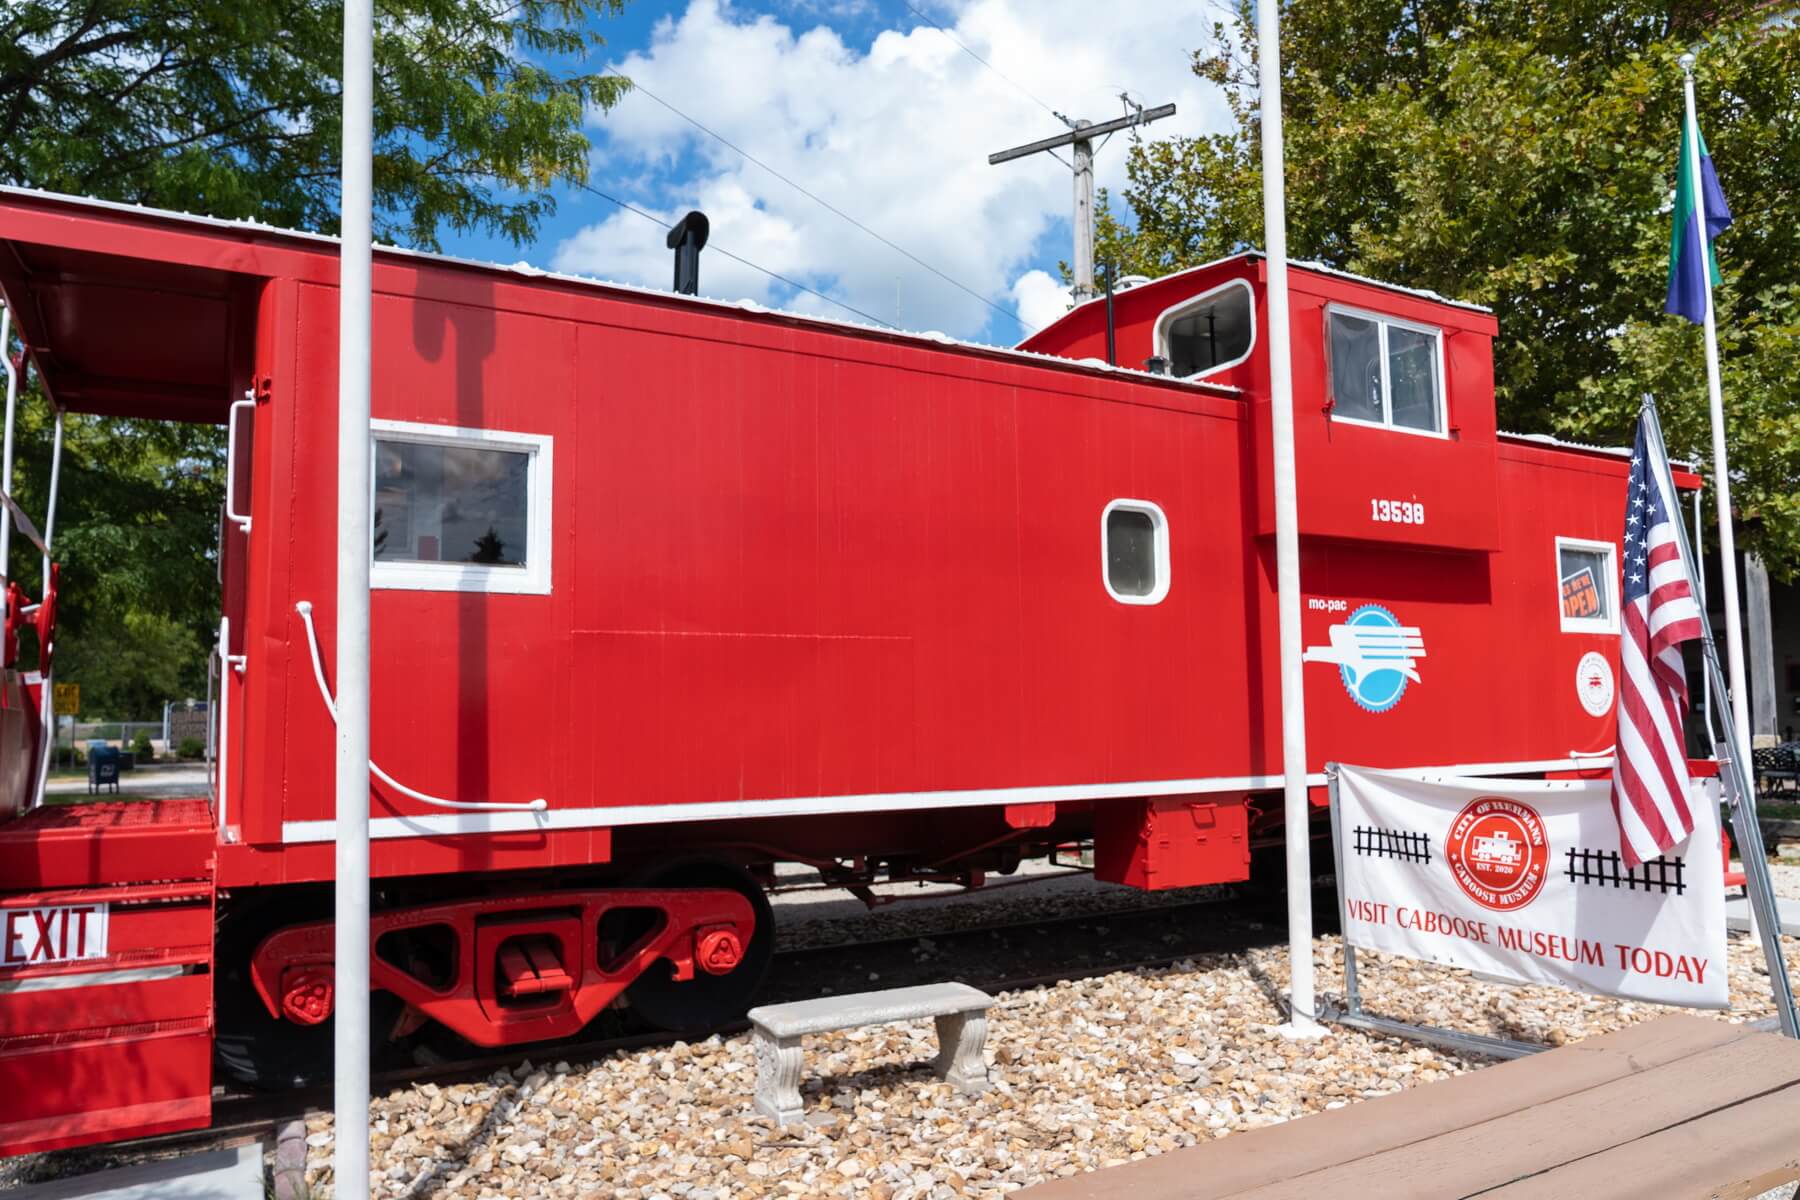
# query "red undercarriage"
(513, 969)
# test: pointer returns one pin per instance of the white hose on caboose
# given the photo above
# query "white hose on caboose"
(304, 608)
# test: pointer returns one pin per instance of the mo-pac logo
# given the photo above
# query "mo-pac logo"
(1374, 654)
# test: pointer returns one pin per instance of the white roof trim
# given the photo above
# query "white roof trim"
(1545, 439)
(1312, 265)
(524, 270)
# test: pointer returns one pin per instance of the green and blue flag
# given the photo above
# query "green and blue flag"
(1692, 266)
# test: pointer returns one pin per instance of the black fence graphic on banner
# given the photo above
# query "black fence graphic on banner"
(1603, 867)
(1392, 843)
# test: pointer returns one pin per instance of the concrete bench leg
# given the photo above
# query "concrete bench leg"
(778, 1077)
(961, 1039)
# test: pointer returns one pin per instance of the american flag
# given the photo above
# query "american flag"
(1650, 778)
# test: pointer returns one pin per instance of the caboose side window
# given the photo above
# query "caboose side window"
(465, 510)
(1385, 371)
(1587, 586)
(1210, 332)
(1134, 552)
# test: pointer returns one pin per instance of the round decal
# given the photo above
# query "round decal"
(1376, 688)
(1498, 853)
(1594, 683)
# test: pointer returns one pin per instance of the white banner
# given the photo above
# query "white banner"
(1522, 879)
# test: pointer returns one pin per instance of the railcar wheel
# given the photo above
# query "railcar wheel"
(706, 1001)
(269, 1053)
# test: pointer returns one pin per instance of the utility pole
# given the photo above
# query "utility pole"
(1081, 137)
(1084, 214)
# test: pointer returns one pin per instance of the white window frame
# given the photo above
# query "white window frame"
(1382, 322)
(1176, 311)
(1159, 544)
(532, 579)
(1614, 594)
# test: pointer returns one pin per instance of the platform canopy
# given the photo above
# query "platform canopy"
(116, 322)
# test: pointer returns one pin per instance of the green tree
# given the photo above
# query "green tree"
(132, 662)
(136, 530)
(232, 109)
(1521, 154)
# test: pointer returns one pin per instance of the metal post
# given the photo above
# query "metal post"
(1352, 993)
(1112, 332)
(1700, 579)
(47, 699)
(1734, 773)
(1761, 649)
(1738, 697)
(1301, 1022)
(56, 449)
(1084, 214)
(350, 1157)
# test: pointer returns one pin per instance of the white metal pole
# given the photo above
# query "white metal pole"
(56, 449)
(350, 1157)
(47, 699)
(1301, 1022)
(1734, 633)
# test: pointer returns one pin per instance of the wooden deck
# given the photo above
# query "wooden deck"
(1681, 1106)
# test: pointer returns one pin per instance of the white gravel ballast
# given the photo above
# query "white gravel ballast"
(1085, 1074)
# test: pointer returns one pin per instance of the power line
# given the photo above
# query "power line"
(824, 203)
(1021, 88)
(718, 249)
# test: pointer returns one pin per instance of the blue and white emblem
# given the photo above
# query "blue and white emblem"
(1374, 654)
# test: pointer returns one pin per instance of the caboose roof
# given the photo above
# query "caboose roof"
(95, 376)
(1312, 266)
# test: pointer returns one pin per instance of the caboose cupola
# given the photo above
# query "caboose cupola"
(1393, 391)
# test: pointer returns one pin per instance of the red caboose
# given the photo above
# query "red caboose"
(667, 591)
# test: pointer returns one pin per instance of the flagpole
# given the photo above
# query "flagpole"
(1739, 698)
(1735, 773)
(350, 1042)
(1301, 1022)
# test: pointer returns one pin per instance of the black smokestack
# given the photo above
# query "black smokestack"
(686, 240)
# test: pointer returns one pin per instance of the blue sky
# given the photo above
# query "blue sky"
(885, 118)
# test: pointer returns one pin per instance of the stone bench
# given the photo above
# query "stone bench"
(776, 1029)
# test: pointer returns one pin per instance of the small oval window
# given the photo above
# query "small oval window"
(1134, 544)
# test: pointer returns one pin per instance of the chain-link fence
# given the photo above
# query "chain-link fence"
(119, 733)
(182, 736)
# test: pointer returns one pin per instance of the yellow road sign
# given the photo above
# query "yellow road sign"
(68, 699)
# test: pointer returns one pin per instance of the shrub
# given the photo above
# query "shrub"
(191, 747)
(140, 747)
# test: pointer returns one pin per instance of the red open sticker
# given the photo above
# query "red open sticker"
(1580, 595)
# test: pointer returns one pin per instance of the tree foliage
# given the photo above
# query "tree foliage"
(136, 527)
(1521, 154)
(232, 109)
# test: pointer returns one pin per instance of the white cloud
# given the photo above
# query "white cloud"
(1040, 298)
(896, 133)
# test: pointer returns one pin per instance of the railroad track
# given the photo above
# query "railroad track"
(988, 955)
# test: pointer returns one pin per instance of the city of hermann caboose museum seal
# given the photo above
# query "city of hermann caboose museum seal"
(1498, 853)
